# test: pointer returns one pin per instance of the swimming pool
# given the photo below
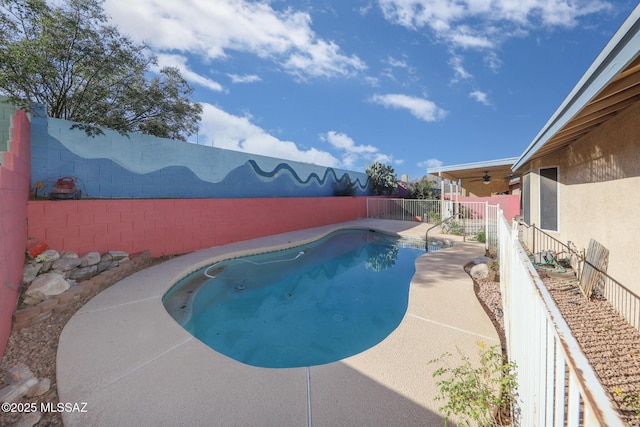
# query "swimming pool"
(304, 306)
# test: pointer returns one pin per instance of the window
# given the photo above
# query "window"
(549, 199)
(525, 202)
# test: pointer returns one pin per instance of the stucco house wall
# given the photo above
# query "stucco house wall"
(598, 185)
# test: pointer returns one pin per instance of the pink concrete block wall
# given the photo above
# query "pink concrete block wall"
(175, 226)
(509, 203)
(14, 191)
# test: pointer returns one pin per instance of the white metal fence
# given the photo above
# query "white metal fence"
(420, 210)
(556, 384)
(625, 301)
(470, 218)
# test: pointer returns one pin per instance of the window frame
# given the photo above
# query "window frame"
(542, 191)
(525, 197)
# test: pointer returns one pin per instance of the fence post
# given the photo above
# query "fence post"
(533, 238)
(486, 226)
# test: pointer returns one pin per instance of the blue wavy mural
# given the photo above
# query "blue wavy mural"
(140, 166)
(313, 176)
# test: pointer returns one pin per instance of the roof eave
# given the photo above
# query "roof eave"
(475, 165)
(621, 50)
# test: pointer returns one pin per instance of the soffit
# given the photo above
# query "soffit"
(623, 91)
(471, 176)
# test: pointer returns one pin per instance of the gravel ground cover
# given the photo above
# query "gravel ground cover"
(609, 342)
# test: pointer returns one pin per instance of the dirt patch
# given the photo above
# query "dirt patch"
(36, 346)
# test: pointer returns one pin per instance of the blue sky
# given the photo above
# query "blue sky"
(410, 83)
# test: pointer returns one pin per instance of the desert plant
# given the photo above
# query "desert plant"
(383, 178)
(473, 395)
(422, 189)
(453, 227)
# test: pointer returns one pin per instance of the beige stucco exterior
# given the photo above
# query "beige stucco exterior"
(599, 183)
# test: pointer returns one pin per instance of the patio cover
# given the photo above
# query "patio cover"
(470, 176)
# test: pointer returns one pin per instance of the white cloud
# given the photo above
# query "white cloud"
(247, 78)
(344, 142)
(492, 61)
(430, 164)
(211, 29)
(224, 130)
(480, 96)
(180, 62)
(352, 152)
(421, 108)
(322, 59)
(460, 73)
(398, 63)
(482, 24)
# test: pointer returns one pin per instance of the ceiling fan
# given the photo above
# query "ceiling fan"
(486, 178)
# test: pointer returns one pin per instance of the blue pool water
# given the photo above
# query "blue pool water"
(304, 306)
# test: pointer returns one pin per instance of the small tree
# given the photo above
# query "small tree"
(422, 189)
(383, 178)
(65, 56)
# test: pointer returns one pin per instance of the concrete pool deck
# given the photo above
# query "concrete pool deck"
(125, 357)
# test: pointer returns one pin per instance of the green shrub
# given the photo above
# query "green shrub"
(474, 394)
(453, 227)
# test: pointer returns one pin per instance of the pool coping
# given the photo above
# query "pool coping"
(125, 357)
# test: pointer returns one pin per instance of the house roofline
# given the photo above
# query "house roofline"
(622, 49)
(475, 165)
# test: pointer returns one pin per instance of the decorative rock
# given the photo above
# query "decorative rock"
(14, 392)
(28, 419)
(68, 255)
(106, 264)
(46, 266)
(31, 301)
(117, 255)
(479, 271)
(83, 273)
(49, 255)
(43, 386)
(66, 264)
(46, 285)
(53, 272)
(92, 258)
(18, 373)
(482, 260)
(30, 271)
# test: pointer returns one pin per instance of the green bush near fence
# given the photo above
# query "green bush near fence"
(473, 395)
